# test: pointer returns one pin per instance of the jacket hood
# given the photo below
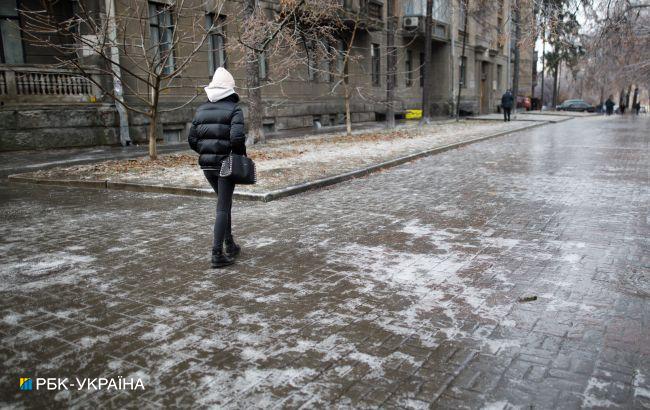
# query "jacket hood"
(216, 94)
(221, 86)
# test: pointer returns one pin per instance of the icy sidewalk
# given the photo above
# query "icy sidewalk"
(282, 164)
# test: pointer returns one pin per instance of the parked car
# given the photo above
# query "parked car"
(576, 105)
(524, 102)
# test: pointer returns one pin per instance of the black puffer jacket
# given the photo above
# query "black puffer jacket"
(217, 130)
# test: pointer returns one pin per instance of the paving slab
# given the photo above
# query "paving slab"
(401, 289)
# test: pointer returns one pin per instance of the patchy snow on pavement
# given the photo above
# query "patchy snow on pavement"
(290, 161)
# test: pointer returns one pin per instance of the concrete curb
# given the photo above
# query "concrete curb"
(545, 121)
(271, 195)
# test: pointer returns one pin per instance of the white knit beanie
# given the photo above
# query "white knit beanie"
(221, 86)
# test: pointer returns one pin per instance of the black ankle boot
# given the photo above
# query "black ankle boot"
(219, 259)
(232, 249)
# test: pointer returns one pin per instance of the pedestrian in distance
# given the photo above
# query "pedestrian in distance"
(637, 108)
(609, 105)
(218, 130)
(507, 101)
(622, 107)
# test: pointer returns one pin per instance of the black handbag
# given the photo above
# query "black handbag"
(239, 169)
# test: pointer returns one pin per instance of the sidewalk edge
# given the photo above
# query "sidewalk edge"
(324, 182)
(271, 195)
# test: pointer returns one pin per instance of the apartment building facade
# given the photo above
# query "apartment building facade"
(45, 106)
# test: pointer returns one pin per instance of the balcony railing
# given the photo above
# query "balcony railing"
(43, 85)
(440, 10)
(371, 14)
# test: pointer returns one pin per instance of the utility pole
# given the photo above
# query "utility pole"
(390, 63)
(465, 5)
(509, 40)
(125, 138)
(452, 61)
(426, 87)
(515, 78)
(534, 64)
(541, 104)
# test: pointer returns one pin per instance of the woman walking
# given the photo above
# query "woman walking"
(217, 130)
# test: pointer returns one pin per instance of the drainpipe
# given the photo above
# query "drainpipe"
(452, 64)
(125, 139)
(509, 42)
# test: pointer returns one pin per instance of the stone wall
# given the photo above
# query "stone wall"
(55, 127)
(78, 126)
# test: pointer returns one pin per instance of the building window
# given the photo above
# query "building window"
(161, 28)
(11, 42)
(409, 68)
(463, 72)
(375, 59)
(462, 14)
(499, 75)
(421, 70)
(216, 41)
(263, 62)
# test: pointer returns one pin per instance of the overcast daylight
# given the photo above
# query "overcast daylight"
(325, 204)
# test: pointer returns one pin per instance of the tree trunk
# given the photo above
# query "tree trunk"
(541, 103)
(621, 98)
(602, 95)
(346, 79)
(153, 134)
(255, 108)
(348, 119)
(462, 60)
(153, 118)
(555, 75)
(390, 64)
(515, 75)
(627, 96)
(559, 81)
(426, 87)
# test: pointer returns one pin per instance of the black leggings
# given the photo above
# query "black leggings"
(506, 114)
(224, 188)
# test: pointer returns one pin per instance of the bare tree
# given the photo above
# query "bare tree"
(295, 33)
(344, 75)
(617, 45)
(147, 57)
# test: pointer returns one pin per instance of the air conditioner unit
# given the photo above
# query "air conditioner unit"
(411, 23)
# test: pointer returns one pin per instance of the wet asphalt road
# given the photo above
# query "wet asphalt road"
(512, 272)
